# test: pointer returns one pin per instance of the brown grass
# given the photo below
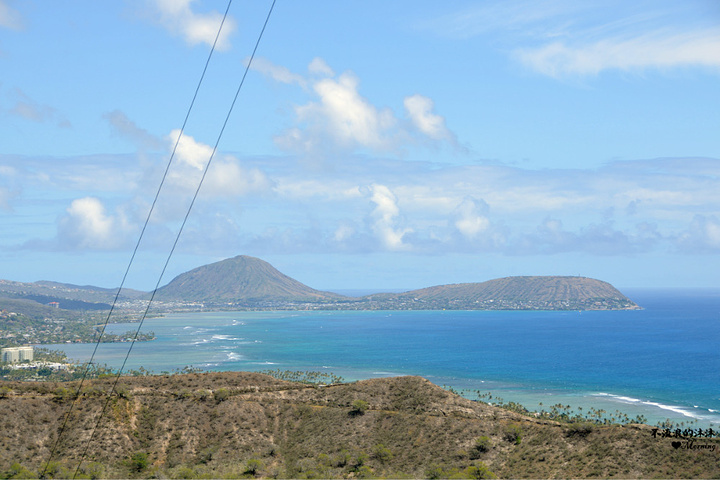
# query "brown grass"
(265, 427)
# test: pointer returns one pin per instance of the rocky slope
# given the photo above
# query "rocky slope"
(235, 425)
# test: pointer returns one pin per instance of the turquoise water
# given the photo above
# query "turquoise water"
(662, 362)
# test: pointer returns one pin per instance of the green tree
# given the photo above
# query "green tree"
(201, 394)
(185, 472)
(342, 458)
(382, 453)
(359, 407)
(435, 472)
(482, 445)
(5, 391)
(513, 433)
(122, 391)
(479, 471)
(95, 470)
(18, 471)
(139, 462)
(253, 466)
(63, 394)
(221, 394)
(360, 460)
(580, 429)
(364, 472)
(56, 470)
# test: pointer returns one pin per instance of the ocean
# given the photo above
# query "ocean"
(662, 362)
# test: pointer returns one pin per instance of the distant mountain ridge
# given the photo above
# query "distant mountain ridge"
(62, 295)
(245, 282)
(248, 281)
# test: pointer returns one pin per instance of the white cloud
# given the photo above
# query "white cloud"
(653, 50)
(702, 236)
(384, 218)
(376, 204)
(225, 177)
(318, 189)
(345, 117)
(190, 152)
(87, 225)
(178, 17)
(9, 18)
(343, 233)
(339, 118)
(319, 67)
(276, 72)
(528, 17)
(490, 208)
(294, 139)
(563, 38)
(420, 111)
(471, 219)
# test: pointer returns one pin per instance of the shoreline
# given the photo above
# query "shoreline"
(476, 354)
(535, 397)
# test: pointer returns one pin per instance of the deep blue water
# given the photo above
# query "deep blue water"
(662, 361)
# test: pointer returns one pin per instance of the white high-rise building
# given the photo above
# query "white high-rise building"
(16, 354)
(26, 353)
(10, 355)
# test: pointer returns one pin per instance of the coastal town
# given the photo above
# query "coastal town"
(21, 335)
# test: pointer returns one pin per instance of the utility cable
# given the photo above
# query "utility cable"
(177, 237)
(135, 250)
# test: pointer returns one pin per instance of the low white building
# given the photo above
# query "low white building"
(16, 354)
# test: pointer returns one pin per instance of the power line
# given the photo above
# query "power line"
(182, 226)
(135, 250)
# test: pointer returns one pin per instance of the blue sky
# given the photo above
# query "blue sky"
(374, 145)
